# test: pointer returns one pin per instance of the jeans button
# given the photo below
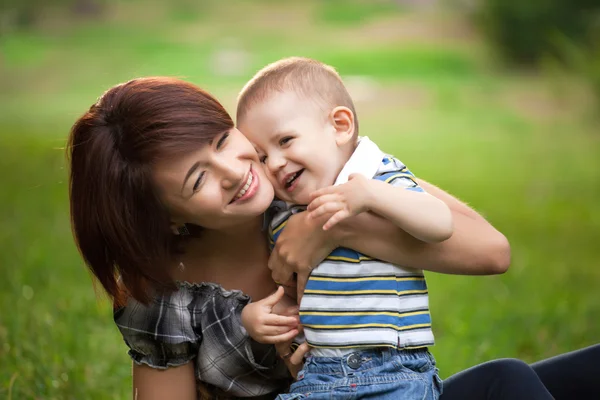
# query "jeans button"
(353, 361)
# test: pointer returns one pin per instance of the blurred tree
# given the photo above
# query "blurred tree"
(524, 31)
(16, 14)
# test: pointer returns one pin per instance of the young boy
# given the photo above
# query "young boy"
(367, 321)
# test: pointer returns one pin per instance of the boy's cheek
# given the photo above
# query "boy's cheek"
(271, 178)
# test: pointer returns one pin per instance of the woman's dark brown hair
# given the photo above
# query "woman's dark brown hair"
(119, 223)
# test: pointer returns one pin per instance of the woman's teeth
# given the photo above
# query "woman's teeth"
(246, 186)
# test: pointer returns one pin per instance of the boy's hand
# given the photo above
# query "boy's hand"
(269, 324)
(343, 201)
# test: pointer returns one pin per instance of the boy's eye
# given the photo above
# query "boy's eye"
(263, 159)
(285, 140)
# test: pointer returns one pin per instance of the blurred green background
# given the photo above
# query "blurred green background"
(521, 145)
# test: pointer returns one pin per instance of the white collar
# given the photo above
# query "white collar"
(365, 160)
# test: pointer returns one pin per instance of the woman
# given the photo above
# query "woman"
(167, 203)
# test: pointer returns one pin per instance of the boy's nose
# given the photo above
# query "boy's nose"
(275, 163)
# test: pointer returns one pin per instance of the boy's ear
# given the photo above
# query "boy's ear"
(342, 119)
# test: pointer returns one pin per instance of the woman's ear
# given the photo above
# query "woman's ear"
(179, 229)
(342, 119)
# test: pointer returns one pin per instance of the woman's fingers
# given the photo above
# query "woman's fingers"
(283, 348)
(298, 356)
(280, 271)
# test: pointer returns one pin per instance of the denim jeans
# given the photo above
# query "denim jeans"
(369, 374)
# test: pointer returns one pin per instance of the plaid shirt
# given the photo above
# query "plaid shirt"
(202, 322)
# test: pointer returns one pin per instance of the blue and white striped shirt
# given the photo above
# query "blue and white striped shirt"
(354, 301)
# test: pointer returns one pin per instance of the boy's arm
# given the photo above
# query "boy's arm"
(418, 213)
(396, 198)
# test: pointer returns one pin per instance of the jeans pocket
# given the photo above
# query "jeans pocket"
(418, 365)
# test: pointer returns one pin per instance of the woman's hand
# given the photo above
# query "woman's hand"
(302, 245)
(294, 359)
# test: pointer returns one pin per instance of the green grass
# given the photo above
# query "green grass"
(535, 175)
(354, 11)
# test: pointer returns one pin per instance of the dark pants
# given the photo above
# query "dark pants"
(568, 376)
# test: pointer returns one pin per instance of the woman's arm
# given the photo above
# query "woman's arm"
(475, 248)
(171, 383)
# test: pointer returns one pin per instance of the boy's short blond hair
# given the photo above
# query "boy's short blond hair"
(307, 77)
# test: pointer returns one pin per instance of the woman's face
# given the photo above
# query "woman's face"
(219, 186)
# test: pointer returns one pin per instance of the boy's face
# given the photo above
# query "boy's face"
(296, 144)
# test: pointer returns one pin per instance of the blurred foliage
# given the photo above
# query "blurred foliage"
(18, 14)
(583, 60)
(529, 32)
(523, 31)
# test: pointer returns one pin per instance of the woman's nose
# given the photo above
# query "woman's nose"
(231, 175)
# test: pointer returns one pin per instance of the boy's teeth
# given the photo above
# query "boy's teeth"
(291, 178)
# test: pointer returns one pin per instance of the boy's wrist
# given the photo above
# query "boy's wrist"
(371, 189)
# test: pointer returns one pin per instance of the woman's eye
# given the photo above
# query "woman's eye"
(263, 159)
(222, 140)
(198, 181)
(285, 140)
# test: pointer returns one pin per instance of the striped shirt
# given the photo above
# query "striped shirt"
(354, 301)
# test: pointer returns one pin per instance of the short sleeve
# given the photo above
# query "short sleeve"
(161, 334)
(394, 172)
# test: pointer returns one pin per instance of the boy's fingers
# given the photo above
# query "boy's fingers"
(283, 338)
(271, 330)
(337, 217)
(272, 299)
(323, 199)
(327, 208)
(321, 192)
(280, 320)
(291, 311)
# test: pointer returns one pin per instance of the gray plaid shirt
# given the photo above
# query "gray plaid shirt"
(202, 322)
